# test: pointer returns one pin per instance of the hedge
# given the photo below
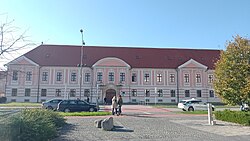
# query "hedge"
(239, 117)
(32, 125)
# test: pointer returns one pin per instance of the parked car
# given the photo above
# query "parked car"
(244, 107)
(187, 101)
(197, 106)
(76, 106)
(51, 104)
(3, 99)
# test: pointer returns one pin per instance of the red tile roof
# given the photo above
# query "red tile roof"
(64, 55)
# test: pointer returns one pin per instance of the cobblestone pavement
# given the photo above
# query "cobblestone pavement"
(145, 123)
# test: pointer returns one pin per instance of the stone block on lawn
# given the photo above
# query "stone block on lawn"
(107, 124)
(98, 123)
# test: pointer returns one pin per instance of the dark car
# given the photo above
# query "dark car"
(76, 106)
(51, 104)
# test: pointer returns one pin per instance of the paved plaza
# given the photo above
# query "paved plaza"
(145, 123)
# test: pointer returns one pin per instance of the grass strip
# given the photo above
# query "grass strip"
(85, 113)
(20, 104)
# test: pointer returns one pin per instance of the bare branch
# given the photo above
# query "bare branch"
(11, 41)
(1, 45)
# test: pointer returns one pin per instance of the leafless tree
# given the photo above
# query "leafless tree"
(12, 40)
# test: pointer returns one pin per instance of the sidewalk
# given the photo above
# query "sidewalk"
(221, 127)
(145, 123)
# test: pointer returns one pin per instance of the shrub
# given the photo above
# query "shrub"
(239, 117)
(35, 125)
(6, 131)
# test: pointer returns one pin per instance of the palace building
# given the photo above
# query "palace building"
(150, 75)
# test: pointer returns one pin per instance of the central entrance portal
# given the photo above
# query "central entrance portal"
(110, 93)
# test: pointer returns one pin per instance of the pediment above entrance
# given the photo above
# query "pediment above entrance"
(22, 60)
(111, 62)
(192, 64)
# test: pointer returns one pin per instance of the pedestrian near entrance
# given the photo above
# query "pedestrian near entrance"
(119, 102)
(114, 105)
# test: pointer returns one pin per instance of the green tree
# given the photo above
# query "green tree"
(232, 72)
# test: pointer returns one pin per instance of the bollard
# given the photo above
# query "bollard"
(210, 116)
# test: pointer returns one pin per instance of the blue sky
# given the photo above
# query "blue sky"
(205, 24)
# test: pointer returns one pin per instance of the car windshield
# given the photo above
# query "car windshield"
(55, 101)
(182, 101)
(82, 102)
(73, 102)
(196, 102)
(64, 102)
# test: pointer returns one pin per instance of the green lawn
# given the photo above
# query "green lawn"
(227, 106)
(175, 106)
(194, 112)
(20, 104)
(85, 113)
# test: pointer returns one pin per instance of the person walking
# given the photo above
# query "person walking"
(119, 102)
(114, 105)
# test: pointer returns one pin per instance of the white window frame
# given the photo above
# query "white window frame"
(186, 78)
(146, 77)
(59, 76)
(111, 76)
(172, 78)
(28, 76)
(159, 77)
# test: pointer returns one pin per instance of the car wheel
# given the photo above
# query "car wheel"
(183, 110)
(50, 108)
(91, 109)
(66, 110)
(190, 109)
(212, 109)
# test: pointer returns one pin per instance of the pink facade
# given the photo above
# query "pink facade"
(98, 89)
(108, 76)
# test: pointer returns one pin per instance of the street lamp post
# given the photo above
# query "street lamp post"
(81, 65)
